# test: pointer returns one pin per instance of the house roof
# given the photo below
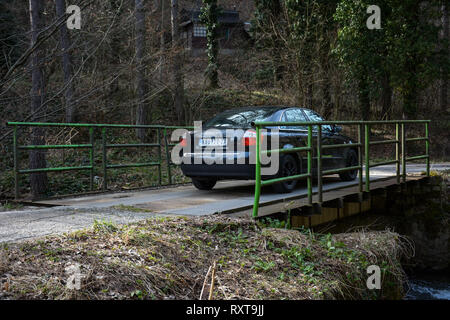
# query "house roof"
(227, 16)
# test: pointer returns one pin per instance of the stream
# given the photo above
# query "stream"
(428, 287)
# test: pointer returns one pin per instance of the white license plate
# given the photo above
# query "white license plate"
(207, 142)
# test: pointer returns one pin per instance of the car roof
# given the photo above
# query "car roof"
(274, 108)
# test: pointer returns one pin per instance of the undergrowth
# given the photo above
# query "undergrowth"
(169, 258)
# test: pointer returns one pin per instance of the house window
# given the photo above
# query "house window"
(199, 31)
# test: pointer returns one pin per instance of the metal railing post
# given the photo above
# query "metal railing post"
(360, 157)
(257, 172)
(319, 163)
(158, 137)
(104, 164)
(309, 179)
(366, 155)
(16, 164)
(166, 142)
(91, 158)
(403, 152)
(427, 147)
(397, 151)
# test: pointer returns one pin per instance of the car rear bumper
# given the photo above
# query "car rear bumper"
(233, 165)
(220, 171)
(238, 165)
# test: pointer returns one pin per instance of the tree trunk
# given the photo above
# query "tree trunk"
(211, 17)
(409, 104)
(327, 104)
(141, 110)
(38, 181)
(162, 41)
(364, 99)
(409, 92)
(309, 96)
(386, 98)
(306, 73)
(444, 72)
(66, 62)
(115, 48)
(177, 65)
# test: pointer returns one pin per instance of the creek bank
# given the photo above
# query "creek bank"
(169, 258)
(425, 225)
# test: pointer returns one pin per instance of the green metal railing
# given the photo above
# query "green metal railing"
(160, 129)
(363, 148)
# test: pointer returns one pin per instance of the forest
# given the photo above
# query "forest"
(159, 62)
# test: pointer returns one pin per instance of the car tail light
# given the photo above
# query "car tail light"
(249, 138)
(183, 141)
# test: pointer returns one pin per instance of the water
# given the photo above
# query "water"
(429, 287)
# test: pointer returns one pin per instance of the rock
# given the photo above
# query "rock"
(432, 246)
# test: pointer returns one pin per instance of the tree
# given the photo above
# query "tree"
(8, 39)
(115, 7)
(141, 82)
(268, 14)
(66, 61)
(414, 58)
(38, 181)
(209, 16)
(303, 19)
(445, 48)
(177, 64)
(361, 52)
(162, 40)
(298, 35)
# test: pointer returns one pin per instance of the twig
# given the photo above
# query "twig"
(204, 283)
(211, 288)
(221, 288)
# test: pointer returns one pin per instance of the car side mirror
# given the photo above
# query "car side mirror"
(336, 129)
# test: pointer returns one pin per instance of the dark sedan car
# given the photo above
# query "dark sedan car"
(238, 147)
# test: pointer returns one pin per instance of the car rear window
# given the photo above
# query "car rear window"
(239, 118)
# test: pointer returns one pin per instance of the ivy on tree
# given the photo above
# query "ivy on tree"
(403, 55)
(209, 16)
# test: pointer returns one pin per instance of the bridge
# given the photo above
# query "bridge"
(231, 197)
(314, 202)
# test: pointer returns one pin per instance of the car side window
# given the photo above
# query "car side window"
(314, 117)
(294, 115)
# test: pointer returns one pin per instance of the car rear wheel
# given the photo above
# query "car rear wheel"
(351, 160)
(204, 184)
(288, 167)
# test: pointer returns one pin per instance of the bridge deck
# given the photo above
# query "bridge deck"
(232, 197)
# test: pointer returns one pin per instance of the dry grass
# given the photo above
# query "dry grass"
(169, 258)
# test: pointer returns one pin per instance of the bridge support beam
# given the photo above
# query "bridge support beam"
(398, 197)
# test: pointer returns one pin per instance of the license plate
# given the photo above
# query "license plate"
(207, 142)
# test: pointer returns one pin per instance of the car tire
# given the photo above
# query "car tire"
(288, 167)
(204, 184)
(351, 160)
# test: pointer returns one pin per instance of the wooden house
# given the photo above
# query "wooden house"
(232, 32)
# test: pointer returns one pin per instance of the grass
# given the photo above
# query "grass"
(8, 205)
(168, 258)
(130, 208)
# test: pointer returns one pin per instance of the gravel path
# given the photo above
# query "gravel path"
(26, 224)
